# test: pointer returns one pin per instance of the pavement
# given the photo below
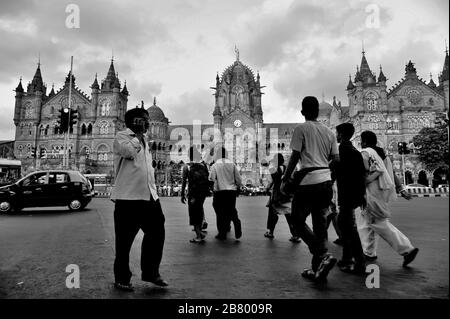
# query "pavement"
(37, 245)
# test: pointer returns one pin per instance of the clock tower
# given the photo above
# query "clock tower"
(238, 115)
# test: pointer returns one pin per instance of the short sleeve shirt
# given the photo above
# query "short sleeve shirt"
(316, 144)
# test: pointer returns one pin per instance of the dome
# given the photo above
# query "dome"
(325, 108)
(238, 68)
(156, 114)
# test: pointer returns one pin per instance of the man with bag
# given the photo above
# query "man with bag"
(195, 174)
(314, 145)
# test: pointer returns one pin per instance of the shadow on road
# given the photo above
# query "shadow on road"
(49, 212)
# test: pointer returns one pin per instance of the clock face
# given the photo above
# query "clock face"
(237, 123)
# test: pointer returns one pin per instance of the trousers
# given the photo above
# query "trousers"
(369, 228)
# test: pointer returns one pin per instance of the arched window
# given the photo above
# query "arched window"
(83, 129)
(89, 129)
(47, 127)
(423, 179)
(159, 146)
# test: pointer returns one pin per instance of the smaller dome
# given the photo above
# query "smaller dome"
(156, 114)
(325, 108)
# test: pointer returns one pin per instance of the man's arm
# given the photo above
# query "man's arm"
(126, 147)
(183, 184)
(237, 177)
(293, 160)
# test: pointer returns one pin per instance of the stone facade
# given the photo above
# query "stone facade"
(395, 115)
(100, 116)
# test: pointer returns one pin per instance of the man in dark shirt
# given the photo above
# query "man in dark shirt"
(350, 178)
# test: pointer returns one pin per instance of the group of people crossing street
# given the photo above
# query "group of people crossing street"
(326, 178)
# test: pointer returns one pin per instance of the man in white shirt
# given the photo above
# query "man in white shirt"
(137, 204)
(314, 145)
(227, 182)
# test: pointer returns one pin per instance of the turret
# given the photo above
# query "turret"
(18, 104)
(431, 84)
(52, 92)
(381, 78)
(125, 90)
(350, 85)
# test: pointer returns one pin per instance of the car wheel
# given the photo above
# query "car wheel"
(5, 207)
(75, 204)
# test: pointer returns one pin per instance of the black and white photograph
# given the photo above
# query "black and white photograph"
(226, 156)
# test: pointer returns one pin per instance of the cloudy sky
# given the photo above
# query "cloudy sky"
(172, 49)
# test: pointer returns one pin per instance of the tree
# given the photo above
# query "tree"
(432, 147)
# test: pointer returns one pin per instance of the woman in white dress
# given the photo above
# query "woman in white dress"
(373, 221)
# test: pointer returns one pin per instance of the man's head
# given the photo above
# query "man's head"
(344, 132)
(368, 139)
(137, 120)
(310, 108)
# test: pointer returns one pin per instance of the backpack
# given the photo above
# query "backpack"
(199, 184)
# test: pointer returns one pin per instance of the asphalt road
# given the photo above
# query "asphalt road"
(36, 247)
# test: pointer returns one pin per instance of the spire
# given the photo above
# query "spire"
(19, 88)
(217, 81)
(142, 104)
(154, 101)
(95, 84)
(381, 77)
(125, 90)
(350, 85)
(52, 92)
(236, 50)
(257, 76)
(431, 83)
(110, 79)
(446, 69)
(37, 84)
(364, 68)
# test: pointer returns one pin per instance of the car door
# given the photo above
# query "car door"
(61, 188)
(33, 190)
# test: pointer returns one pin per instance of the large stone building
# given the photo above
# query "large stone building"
(100, 116)
(395, 115)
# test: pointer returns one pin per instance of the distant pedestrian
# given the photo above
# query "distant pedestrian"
(351, 192)
(380, 192)
(137, 204)
(314, 145)
(276, 169)
(195, 174)
(227, 182)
